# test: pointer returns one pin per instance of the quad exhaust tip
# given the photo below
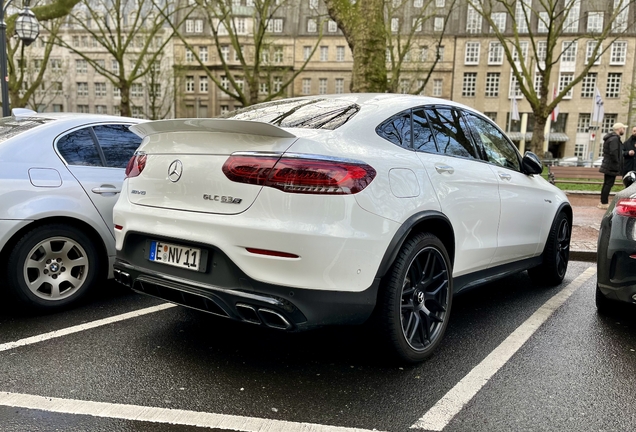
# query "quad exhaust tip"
(123, 278)
(264, 316)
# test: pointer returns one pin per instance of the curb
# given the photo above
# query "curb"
(583, 255)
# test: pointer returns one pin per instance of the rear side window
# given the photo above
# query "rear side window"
(79, 148)
(117, 143)
(450, 132)
(397, 129)
(422, 134)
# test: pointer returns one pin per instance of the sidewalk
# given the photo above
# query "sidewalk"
(585, 225)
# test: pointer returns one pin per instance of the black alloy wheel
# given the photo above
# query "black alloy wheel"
(417, 298)
(556, 254)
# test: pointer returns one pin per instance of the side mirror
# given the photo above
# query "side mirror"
(531, 164)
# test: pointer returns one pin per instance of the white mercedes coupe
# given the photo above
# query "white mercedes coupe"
(336, 209)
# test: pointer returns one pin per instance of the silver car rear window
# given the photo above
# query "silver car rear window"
(10, 127)
(300, 113)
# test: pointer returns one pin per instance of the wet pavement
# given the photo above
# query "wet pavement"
(585, 226)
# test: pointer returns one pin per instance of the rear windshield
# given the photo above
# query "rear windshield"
(10, 127)
(300, 113)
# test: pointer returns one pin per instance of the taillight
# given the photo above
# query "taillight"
(300, 174)
(626, 207)
(136, 165)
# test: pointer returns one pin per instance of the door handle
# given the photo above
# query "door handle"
(444, 169)
(504, 176)
(103, 190)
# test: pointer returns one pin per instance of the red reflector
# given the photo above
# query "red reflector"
(626, 207)
(136, 165)
(633, 256)
(271, 253)
(119, 227)
(300, 175)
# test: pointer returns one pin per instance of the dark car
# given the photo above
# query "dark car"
(616, 259)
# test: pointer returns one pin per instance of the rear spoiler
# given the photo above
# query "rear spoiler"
(210, 125)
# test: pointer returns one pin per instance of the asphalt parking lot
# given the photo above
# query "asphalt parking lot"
(515, 357)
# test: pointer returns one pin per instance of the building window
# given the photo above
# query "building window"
(543, 24)
(225, 52)
(469, 84)
(58, 108)
(189, 84)
(81, 66)
(492, 84)
(203, 84)
(437, 87)
(225, 109)
(306, 89)
(82, 89)
(137, 112)
(515, 89)
(588, 84)
(438, 3)
(613, 89)
(203, 53)
(275, 25)
(405, 86)
(82, 109)
(565, 78)
(417, 24)
(522, 8)
(395, 25)
(595, 22)
(189, 55)
(571, 22)
(332, 26)
(524, 52)
(580, 150)
(339, 85)
(306, 52)
(137, 90)
(608, 122)
(438, 24)
(155, 90)
(418, 3)
(278, 84)
(278, 54)
(618, 53)
(583, 125)
(198, 26)
(340, 53)
(619, 24)
(56, 65)
(440, 53)
(473, 21)
(569, 52)
(57, 88)
(101, 109)
(322, 86)
(499, 21)
(241, 26)
(542, 47)
(538, 82)
(263, 87)
(324, 53)
(472, 53)
(189, 26)
(100, 89)
(312, 26)
(589, 52)
(495, 53)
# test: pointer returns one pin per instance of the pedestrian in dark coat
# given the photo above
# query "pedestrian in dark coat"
(612, 164)
(629, 150)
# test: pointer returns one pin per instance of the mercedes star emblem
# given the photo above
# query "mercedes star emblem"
(175, 170)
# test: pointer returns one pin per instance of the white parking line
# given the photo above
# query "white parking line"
(87, 326)
(452, 403)
(162, 415)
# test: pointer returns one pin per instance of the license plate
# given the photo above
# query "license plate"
(175, 255)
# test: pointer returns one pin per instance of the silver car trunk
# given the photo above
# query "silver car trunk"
(184, 160)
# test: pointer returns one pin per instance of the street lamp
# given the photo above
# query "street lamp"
(27, 28)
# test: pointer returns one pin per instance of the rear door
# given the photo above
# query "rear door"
(97, 156)
(466, 187)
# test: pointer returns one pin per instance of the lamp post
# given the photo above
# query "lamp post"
(27, 28)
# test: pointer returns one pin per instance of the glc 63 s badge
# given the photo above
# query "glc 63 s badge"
(222, 199)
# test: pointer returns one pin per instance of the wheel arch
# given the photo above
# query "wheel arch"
(433, 222)
(81, 225)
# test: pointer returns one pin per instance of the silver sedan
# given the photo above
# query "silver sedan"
(60, 175)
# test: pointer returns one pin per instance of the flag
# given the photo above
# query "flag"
(555, 111)
(599, 110)
(515, 110)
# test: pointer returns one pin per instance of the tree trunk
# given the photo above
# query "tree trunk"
(125, 100)
(538, 136)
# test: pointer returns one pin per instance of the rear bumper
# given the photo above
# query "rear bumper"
(616, 268)
(250, 301)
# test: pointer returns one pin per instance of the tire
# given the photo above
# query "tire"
(604, 306)
(52, 266)
(416, 298)
(556, 254)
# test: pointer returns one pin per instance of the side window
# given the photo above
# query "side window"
(496, 147)
(422, 134)
(448, 126)
(117, 143)
(79, 148)
(397, 129)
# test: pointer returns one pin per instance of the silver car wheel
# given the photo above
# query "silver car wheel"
(56, 268)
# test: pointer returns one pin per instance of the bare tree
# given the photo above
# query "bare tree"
(538, 34)
(252, 64)
(134, 33)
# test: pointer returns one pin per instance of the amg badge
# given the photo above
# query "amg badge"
(222, 199)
